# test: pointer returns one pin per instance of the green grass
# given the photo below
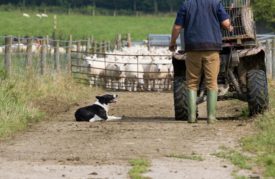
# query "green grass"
(262, 144)
(20, 92)
(236, 158)
(139, 166)
(187, 157)
(239, 177)
(80, 26)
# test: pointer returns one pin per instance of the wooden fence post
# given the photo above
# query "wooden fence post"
(105, 47)
(29, 53)
(129, 40)
(56, 56)
(78, 49)
(148, 43)
(43, 57)
(273, 58)
(108, 46)
(47, 44)
(101, 48)
(8, 43)
(118, 42)
(268, 59)
(95, 47)
(88, 47)
(69, 53)
(92, 39)
(18, 44)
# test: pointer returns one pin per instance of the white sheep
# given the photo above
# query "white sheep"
(96, 70)
(114, 76)
(2, 50)
(134, 77)
(44, 15)
(39, 16)
(26, 15)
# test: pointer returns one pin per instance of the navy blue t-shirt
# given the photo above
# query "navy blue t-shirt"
(201, 22)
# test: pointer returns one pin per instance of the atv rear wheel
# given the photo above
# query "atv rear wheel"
(180, 98)
(257, 94)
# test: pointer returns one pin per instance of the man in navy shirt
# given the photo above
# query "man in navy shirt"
(202, 21)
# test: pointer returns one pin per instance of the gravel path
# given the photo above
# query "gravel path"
(61, 148)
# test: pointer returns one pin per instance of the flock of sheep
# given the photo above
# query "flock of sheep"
(37, 15)
(132, 68)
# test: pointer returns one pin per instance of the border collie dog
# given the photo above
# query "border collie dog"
(98, 111)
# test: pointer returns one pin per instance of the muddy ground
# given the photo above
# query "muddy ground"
(61, 148)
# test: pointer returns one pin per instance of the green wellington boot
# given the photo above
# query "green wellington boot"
(211, 106)
(192, 105)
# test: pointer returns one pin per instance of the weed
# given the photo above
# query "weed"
(236, 158)
(139, 166)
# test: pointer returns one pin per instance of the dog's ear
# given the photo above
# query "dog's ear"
(98, 97)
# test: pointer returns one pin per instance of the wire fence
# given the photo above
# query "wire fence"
(134, 74)
(45, 55)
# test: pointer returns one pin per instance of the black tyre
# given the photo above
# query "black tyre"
(258, 100)
(180, 98)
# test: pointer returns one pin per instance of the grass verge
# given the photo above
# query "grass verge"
(235, 157)
(262, 144)
(139, 166)
(19, 95)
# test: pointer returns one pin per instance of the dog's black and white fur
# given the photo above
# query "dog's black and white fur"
(98, 111)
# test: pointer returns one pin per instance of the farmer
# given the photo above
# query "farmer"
(201, 20)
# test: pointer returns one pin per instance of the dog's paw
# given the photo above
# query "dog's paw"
(92, 120)
(113, 118)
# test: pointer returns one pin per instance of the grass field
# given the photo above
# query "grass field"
(81, 26)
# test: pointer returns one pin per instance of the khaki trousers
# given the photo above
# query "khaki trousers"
(202, 61)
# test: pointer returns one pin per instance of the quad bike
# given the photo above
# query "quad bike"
(242, 69)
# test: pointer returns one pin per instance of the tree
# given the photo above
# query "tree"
(264, 10)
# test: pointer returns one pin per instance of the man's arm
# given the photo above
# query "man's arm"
(179, 24)
(175, 34)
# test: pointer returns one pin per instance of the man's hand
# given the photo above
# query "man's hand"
(227, 25)
(231, 28)
(172, 47)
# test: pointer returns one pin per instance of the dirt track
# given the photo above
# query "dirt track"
(62, 148)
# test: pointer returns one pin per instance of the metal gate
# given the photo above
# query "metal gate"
(123, 72)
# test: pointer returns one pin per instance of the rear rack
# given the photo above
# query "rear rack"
(242, 20)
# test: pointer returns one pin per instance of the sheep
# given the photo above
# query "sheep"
(115, 76)
(44, 15)
(26, 15)
(156, 76)
(39, 16)
(96, 70)
(134, 77)
(2, 50)
(19, 47)
(132, 73)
